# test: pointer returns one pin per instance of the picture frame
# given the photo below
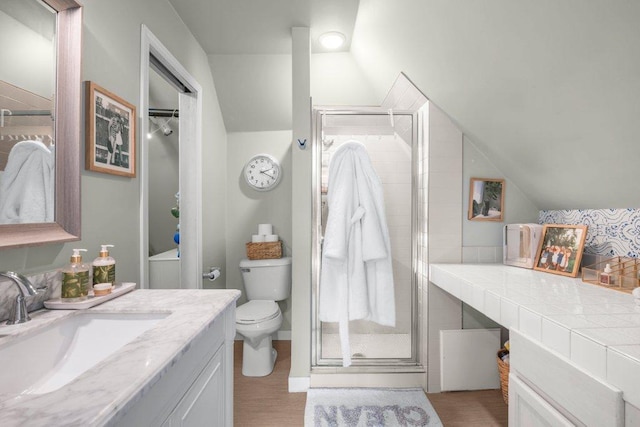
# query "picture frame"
(560, 249)
(110, 124)
(486, 199)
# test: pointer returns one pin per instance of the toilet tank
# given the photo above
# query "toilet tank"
(267, 279)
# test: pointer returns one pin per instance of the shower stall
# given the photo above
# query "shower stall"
(394, 144)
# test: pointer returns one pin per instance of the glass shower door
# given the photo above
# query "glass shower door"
(392, 145)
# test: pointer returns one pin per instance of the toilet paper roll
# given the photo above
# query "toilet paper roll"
(265, 229)
(214, 275)
(257, 238)
(271, 238)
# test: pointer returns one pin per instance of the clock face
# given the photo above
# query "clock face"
(262, 172)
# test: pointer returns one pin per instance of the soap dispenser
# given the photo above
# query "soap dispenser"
(75, 278)
(104, 267)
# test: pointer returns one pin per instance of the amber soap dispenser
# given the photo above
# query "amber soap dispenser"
(75, 278)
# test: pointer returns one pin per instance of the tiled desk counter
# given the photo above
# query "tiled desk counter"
(598, 329)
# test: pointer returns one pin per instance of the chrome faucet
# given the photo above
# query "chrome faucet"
(19, 313)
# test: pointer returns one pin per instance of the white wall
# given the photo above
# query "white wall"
(444, 234)
(482, 240)
(246, 208)
(110, 204)
(547, 90)
(257, 93)
(33, 72)
(336, 79)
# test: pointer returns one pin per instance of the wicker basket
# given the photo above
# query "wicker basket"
(267, 250)
(503, 370)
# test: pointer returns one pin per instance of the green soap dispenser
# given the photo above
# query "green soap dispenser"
(75, 278)
(104, 267)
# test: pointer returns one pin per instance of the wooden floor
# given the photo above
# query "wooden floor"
(470, 408)
(266, 402)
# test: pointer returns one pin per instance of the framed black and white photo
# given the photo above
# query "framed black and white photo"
(486, 199)
(110, 132)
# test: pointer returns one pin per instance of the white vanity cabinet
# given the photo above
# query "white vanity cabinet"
(547, 389)
(573, 362)
(204, 402)
(196, 390)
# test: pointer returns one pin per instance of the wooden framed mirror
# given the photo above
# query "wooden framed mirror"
(67, 114)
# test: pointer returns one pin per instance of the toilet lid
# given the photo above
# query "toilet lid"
(256, 311)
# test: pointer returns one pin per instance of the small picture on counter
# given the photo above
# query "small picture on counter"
(560, 249)
(486, 199)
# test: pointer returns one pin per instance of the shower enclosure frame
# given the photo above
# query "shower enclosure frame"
(369, 365)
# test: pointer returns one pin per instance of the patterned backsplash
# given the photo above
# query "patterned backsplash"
(611, 232)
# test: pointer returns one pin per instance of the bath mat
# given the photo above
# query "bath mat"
(360, 407)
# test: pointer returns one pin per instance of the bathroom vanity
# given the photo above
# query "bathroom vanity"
(575, 347)
(174, 368)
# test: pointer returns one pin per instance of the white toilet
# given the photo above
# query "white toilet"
(265, 282)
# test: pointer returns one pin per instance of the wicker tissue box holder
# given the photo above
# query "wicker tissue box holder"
(266, 250)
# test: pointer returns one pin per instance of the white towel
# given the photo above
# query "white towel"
(27, 186)
(356, 280)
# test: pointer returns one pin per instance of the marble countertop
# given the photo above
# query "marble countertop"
(596, 328)
(108, 388)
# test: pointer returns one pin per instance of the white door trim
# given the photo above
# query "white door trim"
(190, 185)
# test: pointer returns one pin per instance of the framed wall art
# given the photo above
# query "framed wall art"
(110, 125)
(486, 199)
(560, 249)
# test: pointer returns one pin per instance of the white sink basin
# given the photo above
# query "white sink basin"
(49, 358)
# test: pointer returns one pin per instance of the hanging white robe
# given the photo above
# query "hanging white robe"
(356, 280)
(27, 184)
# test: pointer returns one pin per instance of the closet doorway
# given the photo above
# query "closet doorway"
(156, 58)
(163, 143)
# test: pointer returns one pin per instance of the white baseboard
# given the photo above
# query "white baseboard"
(299, 384)
(283, 335)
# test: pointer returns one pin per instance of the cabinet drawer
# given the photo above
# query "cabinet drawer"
(156, 404)
(203, 404)
(564, 385)
(528, 408)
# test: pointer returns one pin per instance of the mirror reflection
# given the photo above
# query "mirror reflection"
(27, 90)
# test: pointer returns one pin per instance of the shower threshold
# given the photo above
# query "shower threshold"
(368, 346)
(368, 376)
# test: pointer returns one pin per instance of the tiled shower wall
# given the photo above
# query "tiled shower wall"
(391, 158)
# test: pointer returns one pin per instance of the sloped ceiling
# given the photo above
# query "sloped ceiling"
(232, 27)
(249, 47)
(548, 90)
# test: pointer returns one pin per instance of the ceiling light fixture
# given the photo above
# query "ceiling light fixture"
(332, 40)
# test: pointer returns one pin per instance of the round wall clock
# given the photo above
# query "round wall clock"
(262, 172)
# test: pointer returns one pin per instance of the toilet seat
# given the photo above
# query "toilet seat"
(256, 311)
